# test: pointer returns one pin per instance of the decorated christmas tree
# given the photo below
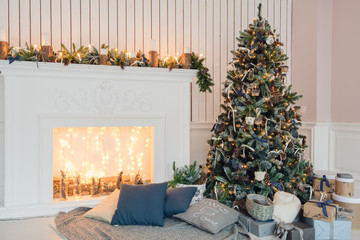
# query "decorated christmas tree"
(255, 145)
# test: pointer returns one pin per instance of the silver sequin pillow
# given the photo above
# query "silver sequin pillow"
(209, 215)
(199, 194)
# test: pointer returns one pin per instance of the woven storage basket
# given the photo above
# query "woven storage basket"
(352, 203)
(259, 207)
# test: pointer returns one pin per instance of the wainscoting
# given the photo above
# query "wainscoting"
(344, 142)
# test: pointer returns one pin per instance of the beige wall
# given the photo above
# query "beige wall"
(345, 78)
(325, 58)
(304, 55)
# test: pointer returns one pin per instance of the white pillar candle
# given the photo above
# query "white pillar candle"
(187, 50)
(3, 35)
(133, 54)
(103, 51)
(153, 42)
(45, 39)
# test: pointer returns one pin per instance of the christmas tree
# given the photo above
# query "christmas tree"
(255, 145)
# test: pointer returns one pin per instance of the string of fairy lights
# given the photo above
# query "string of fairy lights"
(86, 151)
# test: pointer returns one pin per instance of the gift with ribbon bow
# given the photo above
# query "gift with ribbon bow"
(324, 182)
(294, 231)
(325, 211)
(321, 196)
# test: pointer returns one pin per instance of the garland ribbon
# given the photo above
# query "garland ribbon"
(278, 185)
(258, 139)
(13, 59)
(293, 128)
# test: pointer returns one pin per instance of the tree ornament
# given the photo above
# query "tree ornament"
(236, 153)
(260, 175)
(267, 180)
(282, 156)
(284, 69)
(269, 40)
(250, 120)
(255, 92)
(258, 121)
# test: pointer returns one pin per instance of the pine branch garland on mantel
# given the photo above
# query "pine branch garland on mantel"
(91, 55)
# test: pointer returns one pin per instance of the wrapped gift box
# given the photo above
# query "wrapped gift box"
(337, 230)
(317, 195)
(308, 232)
(256, 227)
(322, 178)
(313, 210)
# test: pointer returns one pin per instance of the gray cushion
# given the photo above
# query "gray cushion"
(209, 215)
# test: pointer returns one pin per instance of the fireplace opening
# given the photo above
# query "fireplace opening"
(92, 161)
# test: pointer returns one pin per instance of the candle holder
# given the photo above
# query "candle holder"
(4, 48)
(47, 54)
(153, 59)
(186, 60)
(103, 57)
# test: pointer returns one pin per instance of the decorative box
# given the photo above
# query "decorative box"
(317, 196)
(351, 203)
(324, 181)
(294, 231)
(337, 230)
(344, 186)
(256, 227)
(325, 211)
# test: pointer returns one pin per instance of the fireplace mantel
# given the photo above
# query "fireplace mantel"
(35, 100)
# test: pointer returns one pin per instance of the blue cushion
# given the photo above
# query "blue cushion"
(178, 200)
(141, 205)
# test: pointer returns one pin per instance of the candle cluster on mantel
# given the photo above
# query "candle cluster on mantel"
(106, 56)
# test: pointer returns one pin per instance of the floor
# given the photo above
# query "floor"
(39, 229)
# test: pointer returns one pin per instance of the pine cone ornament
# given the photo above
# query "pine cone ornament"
(267, 179)
(236, 153)
(66, 61)
(221, 128)
(204, 71)
(243, 178)
(282, 156)
(290, 145)
(122, 65)
(171, 66)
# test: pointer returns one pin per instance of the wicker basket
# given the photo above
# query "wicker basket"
(259, 207)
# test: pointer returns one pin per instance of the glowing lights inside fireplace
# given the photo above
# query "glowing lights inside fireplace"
(95, 160)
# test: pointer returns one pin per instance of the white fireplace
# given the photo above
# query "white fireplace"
(38, 100)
